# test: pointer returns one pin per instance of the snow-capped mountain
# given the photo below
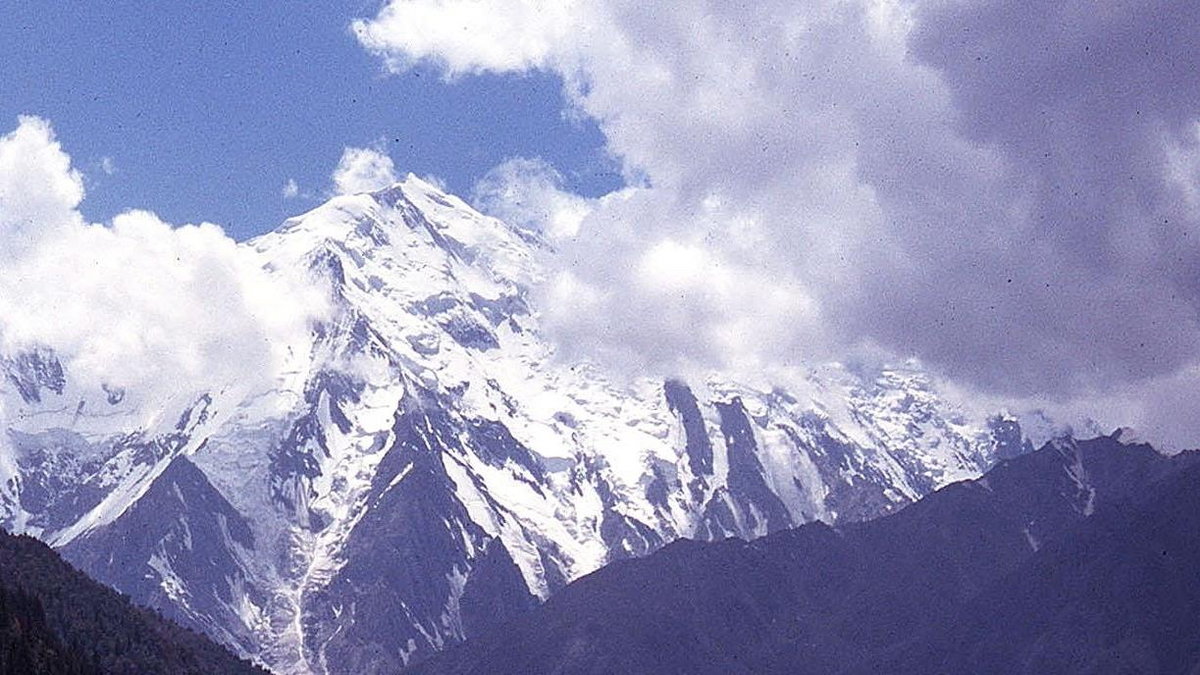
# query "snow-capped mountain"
(427, 466)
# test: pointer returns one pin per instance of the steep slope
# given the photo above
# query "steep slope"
(1119, 595)
(427, 464)
(76, 625)
(170, 530)
(937, 587)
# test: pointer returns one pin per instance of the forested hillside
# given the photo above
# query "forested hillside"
(54, 619)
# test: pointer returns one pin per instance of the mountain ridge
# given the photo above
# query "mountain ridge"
(921, 590)
(427, 388)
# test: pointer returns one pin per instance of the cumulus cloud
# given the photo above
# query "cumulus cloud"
(39, 190)
(1007, 193)
(470, 36)
(363, 170)
(137, 304)
(290, 189)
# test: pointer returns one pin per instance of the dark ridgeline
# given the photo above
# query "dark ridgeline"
(54, 619)
(1080, 557)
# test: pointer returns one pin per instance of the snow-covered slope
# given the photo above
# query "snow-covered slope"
(427, 466)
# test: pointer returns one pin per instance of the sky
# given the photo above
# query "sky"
(206, 110)
(1007, 192)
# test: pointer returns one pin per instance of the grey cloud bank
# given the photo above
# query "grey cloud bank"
(1087, 104)
(1006, 191)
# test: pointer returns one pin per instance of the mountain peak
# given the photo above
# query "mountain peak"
(412, 224)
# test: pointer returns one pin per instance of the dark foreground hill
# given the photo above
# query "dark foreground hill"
(55, 620)
(1081, 557)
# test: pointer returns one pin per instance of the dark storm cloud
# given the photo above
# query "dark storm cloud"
(1080, 95)
(1076, 263)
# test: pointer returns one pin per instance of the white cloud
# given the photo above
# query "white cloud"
(139, 304)
(807, 186)
(470, 35)
(363, 170)
(528, 193)
(39, 191)
(290, 189)
(743, 122)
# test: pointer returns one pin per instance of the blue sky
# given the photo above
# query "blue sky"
(206, 109)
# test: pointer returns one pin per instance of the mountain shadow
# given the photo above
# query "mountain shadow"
(1080, 557)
